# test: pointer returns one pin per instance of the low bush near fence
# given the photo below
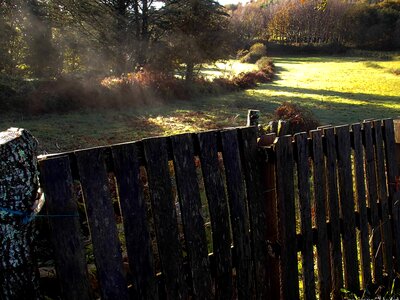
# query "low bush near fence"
(298, 117)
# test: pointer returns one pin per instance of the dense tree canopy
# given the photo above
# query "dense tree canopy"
(305, 22)
(44, 38)
(49, 38)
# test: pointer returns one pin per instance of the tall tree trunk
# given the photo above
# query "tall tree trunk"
(136, 19)
(189, 72)
(144, 34)
(42, 56)
(121, 24)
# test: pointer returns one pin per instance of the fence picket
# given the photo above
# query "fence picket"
(286, 218)
(376, 249)
(334, 213)
(386, 227)
(67, 244)
(238, 210)
(100, 213)
(165, 220)
(361, 204)
(133, 209)
(257, 208)
(393, 182)
(318, 164)
(218, 206)
(303, 175)
(347, 208)
(193, 223)
(269, 184)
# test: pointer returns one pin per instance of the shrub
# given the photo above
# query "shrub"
(249, 58)
(395, 71)
(264, 63)
(256, 51)
(246, 80)
(225, 84)
(297, 117)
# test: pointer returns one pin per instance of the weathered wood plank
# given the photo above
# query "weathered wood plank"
(100, 213)
(269, 184)
(361, 205)
(303, 175)
(218, 207)
(318, 165)
(393, 181)
(376, 250)
(238, 213)
(165, 219)
(133, 209)
(386, 227)
(57, 184)
(257, 208)
(193, 223)
(347, 208)
(286, 218)
(334, 213)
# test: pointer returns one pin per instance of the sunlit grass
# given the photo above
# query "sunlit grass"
(337, 89)
(225, 69)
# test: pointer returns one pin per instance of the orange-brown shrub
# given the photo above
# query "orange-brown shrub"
(298, 118)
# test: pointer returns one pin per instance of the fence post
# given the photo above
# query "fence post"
(253, 117)
(18, 191)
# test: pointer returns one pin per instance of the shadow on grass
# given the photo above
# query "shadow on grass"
(326, 59)
(327, 111)
(308, 59)
(370, 98)
(278, 71)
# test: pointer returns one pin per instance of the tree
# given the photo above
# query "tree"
(42, 56)
(196, 31)
(248, 22)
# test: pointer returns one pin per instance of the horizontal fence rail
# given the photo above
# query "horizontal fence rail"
(228, 214)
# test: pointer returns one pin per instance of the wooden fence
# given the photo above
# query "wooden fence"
(227, 215)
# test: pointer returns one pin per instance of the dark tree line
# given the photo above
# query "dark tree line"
(47, 38)
(303, 22)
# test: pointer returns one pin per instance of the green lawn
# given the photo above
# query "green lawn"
(337, 89)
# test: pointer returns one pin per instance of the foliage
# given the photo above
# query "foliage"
(298, 118)
(47, 39)
(373, 26)
(145, 86)
(298, 23)
(198, 32)
(264, 63)
(248, 22)
(256, 51)
(395, 71)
